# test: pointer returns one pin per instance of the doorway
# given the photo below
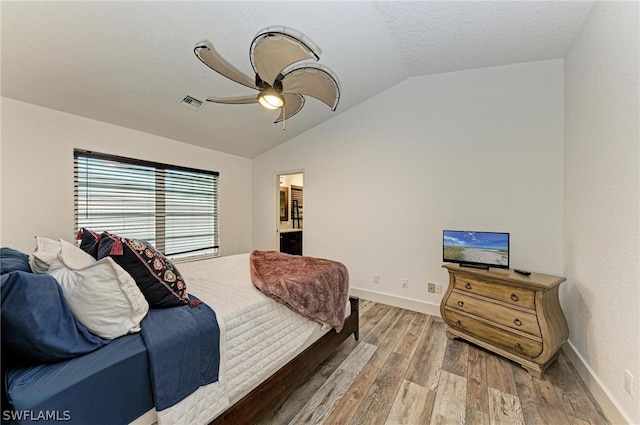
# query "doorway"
(290, 214)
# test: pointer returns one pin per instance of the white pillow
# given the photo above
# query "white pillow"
(46, 251)
(101, 295)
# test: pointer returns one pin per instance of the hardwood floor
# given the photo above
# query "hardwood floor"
(404, 370)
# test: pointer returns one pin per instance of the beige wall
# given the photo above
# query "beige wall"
(472, 150)
(36, 192)
(602, 201)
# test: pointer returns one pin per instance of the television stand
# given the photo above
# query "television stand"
(518, 317)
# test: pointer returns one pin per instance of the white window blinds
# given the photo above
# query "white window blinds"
(173, 208)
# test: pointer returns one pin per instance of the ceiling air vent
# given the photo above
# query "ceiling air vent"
(191, 102)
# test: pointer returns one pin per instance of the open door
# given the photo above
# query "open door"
(290, 213)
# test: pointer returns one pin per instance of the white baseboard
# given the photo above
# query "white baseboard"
(406, 303)
(608, 404)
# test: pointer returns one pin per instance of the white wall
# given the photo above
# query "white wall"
(602, 202)
(472, 150)
(37, 173)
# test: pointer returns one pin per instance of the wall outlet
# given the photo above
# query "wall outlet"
(628, 382)
(405, 283)
(376, 278)
(434, 288)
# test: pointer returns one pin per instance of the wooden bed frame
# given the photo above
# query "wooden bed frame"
(254, 406)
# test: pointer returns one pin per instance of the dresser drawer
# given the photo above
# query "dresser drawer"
(516, 319)
(509, 294)
(507, 340)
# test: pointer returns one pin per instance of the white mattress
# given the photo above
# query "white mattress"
(257, 336)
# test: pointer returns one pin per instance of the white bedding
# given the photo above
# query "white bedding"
(257, 336)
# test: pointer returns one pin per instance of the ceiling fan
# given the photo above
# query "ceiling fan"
(282, 82)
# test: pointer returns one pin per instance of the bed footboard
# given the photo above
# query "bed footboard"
(255, 405)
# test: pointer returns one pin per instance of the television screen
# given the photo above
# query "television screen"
(476, 249)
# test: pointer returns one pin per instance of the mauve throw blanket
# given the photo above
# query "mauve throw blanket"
(314, 287)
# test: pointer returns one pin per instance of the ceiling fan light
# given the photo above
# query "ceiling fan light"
(270, 99)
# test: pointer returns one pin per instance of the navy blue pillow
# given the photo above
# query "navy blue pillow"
(37, 325)
(12, 260)
(89, 241)
(157, 277)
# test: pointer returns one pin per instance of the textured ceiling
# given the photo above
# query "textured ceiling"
(129, 63)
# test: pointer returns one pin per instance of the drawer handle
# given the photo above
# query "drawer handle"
(467, 285)
(459, 323)
(460, 303)
(518, 346)
(517, 322)
(514, 297)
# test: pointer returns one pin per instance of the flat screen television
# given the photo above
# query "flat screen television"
(476, 249)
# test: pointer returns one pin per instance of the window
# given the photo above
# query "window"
(173, 208)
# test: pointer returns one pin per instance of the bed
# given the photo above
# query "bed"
(266, 350)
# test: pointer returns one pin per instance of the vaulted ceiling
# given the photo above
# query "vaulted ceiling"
(130, 63)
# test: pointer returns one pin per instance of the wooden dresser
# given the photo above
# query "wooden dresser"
(516, 316)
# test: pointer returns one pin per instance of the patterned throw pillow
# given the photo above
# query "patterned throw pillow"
(156, 276)
(89, 241)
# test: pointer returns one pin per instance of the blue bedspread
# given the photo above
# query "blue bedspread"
(176, 352)
(109, 386)
(183, 346)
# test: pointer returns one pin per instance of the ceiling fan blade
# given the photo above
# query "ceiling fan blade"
(313, 81)
(205, 52)
(292, 104)
(272, 50)
(240, 100)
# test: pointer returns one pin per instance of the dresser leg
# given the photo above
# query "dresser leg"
(450, 335)
(536, 373)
